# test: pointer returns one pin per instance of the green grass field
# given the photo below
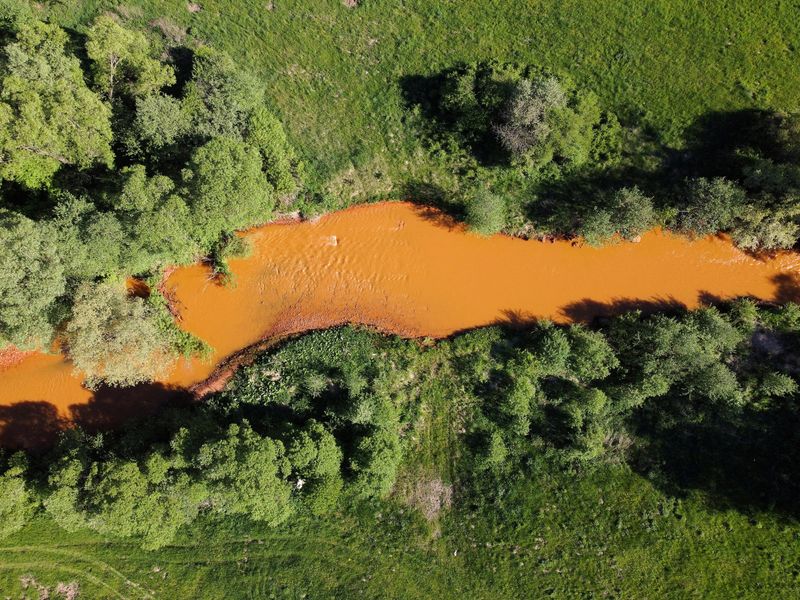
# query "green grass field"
(336, 75)
(608, 534)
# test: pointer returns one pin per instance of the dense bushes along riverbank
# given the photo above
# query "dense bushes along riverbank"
(125, 150)
(704, 400)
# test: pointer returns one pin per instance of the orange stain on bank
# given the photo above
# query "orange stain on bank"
(412, 271)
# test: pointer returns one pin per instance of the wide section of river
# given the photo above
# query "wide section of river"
(404, 269)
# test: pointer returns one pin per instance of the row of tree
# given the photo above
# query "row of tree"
(332, 414)
(520, 131)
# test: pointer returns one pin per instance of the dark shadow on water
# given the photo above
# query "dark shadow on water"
(587, 310)
(787, 287)
(111, 407)
(29, 425)
(437, 216)
(35, 425)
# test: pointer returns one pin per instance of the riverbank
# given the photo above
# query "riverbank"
(402, 269)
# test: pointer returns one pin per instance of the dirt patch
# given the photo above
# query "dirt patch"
(67, 591)
(193, 7)
(429, 496)
(350, 3)
(173, 32)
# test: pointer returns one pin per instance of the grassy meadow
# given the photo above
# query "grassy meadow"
(340, 78)
(608, 533)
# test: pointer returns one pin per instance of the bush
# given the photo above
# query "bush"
(628, 213)
(712, 205)
(114, 338)
(485, 213)
(543, 123)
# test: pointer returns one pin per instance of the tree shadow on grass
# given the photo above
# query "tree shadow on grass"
(713, 142)
(748, 460)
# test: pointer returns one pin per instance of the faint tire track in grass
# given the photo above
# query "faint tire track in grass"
(78, 556)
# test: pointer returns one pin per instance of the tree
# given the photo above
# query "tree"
(485, 213)
(375, 462)
(543, 122)
(316, 459)
(711, 206)
(124, 59)
(31, 281)
(48, 117)
(767, 228)
(280, 163)
(152, 501)
(160, 121)
(219, 97)
(245, 474)
(628, 213)
(157, 220)
(227, 189)
(17, 502)
(114, 338)
(591, 357)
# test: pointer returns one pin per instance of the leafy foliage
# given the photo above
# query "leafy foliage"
(113, 338)
(485, 213)
(124, 59)
(31, 281)
(48, 117)
(17, 500)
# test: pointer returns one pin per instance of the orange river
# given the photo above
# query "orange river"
(400, 268)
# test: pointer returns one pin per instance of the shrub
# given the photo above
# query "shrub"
(485, 213)
(711, 206)
(114, 338)
(628, 213)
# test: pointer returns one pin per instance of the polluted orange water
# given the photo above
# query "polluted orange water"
(407, 270)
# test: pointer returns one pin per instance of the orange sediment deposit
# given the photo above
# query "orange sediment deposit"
(10, 356)
(412, 271)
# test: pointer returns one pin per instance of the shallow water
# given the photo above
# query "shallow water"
(404, 269)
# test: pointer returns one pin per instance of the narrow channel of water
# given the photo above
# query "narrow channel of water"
(403, 269)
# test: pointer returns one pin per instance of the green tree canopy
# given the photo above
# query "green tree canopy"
(152, 501)
(629, 213)
(31, 280)
(711, 206)
(48, 117)
(124, 60)
(160, 121)
(245, 474)
(219, 96)
(543, 122)
(114, 338)
(227, 189)
(17, 502)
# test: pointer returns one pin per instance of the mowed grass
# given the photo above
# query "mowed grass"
(336, 75)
